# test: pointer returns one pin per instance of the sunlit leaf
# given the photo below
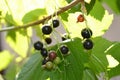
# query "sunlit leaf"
(9, 20)
(33, 15)
(5, 59)
(98, 27)
(21, 44)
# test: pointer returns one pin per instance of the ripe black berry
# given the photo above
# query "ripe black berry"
(44, 52)
(88, 44)
(52, 55)
(64, 49)
(48, 40)
(38, 45)
(46, 29)
(55, 23)
(86, 33)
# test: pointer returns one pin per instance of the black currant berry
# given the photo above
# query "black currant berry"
(55, 23)
(48, 40)
(86, 33)
(44, 61)
(44, 52)
(64, 49)
(38, 45)
(88, 44)
(52, 55)
(46, 29)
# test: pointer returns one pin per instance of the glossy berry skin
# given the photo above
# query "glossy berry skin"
(48, 40)
(64, 49)
(46, 29)
(57, 60)
(80, 18)
(88, 44)
(44, 61)
(44, 52)
(86, 33)
(55, 23)
(38, 45)
(52, 55)
(49, 65)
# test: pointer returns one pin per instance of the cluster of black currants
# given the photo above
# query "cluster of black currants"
(50, 58)
(86, 34)
(47, 30)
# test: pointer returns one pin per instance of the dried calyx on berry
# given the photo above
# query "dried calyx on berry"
(38, 45)
(65, 36)
(80, 18)
(44, 61)
(46, 29)
(86, 33)
(88, 44)
(48, 40)
(55, 23)
(64, 49)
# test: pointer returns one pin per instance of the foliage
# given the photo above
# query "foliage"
(25, 63)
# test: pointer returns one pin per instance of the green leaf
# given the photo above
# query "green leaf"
(11, 71)
(114, 5)
(98, 61)
(5, 59)
(71, 68)
(89, 75)
(115, 51)
(114, 71)
(89, 6)
(33, 15)
(97, 11)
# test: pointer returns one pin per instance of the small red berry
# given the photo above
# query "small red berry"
(80, 18)
(52, 55)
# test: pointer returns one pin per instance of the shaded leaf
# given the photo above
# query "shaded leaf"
(114, 71)
(89, 75)
(114, 5)
(89, 6)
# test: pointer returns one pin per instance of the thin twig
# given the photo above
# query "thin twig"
(63, 9)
